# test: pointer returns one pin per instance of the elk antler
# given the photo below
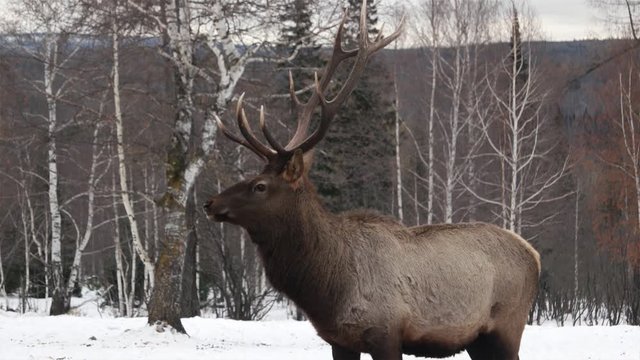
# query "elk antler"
(329, 108)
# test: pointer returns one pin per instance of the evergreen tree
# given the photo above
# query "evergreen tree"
(297, 34)
(516, 54)
(297, 24)
(352, 26)
(353, 163)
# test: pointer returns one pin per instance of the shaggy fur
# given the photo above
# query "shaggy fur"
(369, 284)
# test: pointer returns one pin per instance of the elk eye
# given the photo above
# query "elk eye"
(259, 187)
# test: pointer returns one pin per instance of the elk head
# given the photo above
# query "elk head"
(271, 194)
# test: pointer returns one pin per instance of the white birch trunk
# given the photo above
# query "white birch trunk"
(430, 137)
(514, 126)
(132, 284)
(47, 273)
(27, 252)
(147, 230)
(50, 73)
(3, 288)
(451, 172)
(576, 230)
(197, 244)
(397, 144)
(91, 194)
(120, 273)
(122, 169)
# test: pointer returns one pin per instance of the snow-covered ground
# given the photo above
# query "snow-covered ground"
(95, 334)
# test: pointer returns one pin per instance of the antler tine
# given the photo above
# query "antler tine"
(364, 51)
(267, 134)
(338, 55)
(319, 133)
(246, 131)
(292, 91)
(235, 138)
(382, 41)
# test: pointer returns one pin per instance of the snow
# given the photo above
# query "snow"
(70, 337)
(92, 332)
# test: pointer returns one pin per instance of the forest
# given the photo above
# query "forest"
(109, 145)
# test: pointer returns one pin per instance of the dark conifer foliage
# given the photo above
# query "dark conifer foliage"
(297, 24)
(516, 54)
(352, 163)
(354, 18)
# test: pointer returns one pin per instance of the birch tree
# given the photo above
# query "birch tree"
(453, 76)
(221, 27)
(50, 20)
(518, 139)
(398, 16)
(429, 30)
(458, 74)
(3, 288)
(127, 202)
(95, 175)
(27, 219)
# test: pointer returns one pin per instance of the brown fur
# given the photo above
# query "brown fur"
(369, 284)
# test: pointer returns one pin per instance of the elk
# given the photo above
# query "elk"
(367, 283)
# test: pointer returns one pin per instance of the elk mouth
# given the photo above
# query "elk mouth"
(221, 217)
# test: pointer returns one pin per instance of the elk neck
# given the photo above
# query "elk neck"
(304, 254)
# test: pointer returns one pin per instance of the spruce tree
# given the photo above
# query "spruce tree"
(516, 54)
(297, 24)
(352, 26)
(352, 164)
(296, 35)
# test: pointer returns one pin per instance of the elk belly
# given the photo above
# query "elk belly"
(441, 342)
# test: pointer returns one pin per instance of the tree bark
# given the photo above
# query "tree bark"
(149, 266)
(59, 297)
(3, 289)
(77, 258)
(397, 143)
(120, 278)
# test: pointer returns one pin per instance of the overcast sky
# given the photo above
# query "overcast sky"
(568, 19)
(560, 19)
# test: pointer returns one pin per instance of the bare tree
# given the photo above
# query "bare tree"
(50, 21)
(629, 125)
(95, 175)
(398, 16)
(457, 72)
(622, 15)
(185, 24)
(3, 288)
(140, 248)
(518, 139)
(430, 36)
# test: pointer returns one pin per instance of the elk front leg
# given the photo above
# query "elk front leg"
(383, 344)
(340, 353)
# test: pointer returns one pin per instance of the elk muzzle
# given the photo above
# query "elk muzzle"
(216, 211)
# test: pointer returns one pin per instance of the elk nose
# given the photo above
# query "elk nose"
(207, 205)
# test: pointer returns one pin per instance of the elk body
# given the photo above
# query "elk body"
(367, 283)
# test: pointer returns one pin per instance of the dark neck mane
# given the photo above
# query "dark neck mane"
(304, 254)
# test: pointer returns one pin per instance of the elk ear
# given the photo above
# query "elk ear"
(295, 167)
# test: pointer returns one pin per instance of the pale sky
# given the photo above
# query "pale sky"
(568, 19)
(559, 19)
